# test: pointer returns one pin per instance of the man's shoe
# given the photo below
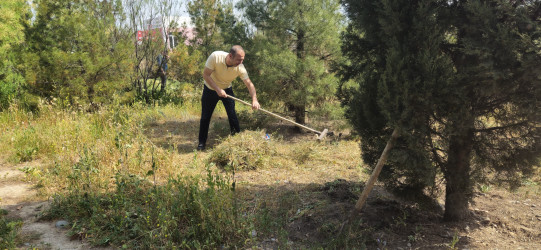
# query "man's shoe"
(200, 147)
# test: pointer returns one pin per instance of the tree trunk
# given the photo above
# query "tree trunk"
(300, 114)
(457, 175)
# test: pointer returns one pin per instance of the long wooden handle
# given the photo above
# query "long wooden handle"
(370, 184)
(277, 116)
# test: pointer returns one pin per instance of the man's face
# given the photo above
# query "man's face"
(238, 58)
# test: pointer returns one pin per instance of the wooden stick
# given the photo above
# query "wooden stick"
(370, 184)
(322, 134)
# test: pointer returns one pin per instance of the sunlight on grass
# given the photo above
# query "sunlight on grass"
(121, 161)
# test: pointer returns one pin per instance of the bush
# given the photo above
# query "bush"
(7, 91)
(245, 151)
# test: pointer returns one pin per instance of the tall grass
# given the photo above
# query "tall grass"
(113, 138)
(115, 185)
(118, 188)
(183, 213)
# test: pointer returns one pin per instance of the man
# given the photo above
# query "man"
(221, 69)
(162, 68)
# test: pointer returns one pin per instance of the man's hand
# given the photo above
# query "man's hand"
(255, 105)
(221, 93)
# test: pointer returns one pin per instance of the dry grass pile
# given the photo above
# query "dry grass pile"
(248, 150)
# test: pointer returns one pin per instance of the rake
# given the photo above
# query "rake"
(322, 134)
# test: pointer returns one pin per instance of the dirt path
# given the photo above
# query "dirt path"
(19, 198)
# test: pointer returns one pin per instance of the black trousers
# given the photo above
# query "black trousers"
(208, 103)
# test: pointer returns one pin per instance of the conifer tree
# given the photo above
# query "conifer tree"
(77, 52)
(294, 45)
(461, 79)
(206, 16)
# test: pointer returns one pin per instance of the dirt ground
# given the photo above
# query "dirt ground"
(20, 199)
(499, 219)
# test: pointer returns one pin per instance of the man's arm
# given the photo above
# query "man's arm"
(206, 75)
(251, 89)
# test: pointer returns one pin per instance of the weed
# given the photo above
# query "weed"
(183, 213)
(484, 188)
(8, 231)
(417, 235)
(26, 145)
(400, 221)
(303, 152)
(354, 235)
(254, 120)
(455, 240)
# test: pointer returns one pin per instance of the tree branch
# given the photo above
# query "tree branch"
(500, 127)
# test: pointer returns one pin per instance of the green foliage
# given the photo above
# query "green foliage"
(146, 54)
(390, 53)
(8, 231)
(460, 79)
(26, 144)
(245, 151)
(216, 27)
(77, 52)
(292, 54)
(183, 213)
(186, 65)
(13, 18)
(206, 16)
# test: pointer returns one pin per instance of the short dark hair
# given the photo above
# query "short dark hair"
(235, 49)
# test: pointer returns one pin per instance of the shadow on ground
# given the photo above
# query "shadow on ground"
(182, 136)
(312, 216)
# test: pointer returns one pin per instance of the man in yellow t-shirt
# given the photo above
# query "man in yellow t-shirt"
(221, 69)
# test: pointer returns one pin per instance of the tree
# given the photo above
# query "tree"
(185, 66)
(77, 52)
(294, 45)
(460, 79)
(152, 17)
(13, 16)
(206, 16)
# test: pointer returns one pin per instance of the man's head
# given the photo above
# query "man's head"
(236, 56)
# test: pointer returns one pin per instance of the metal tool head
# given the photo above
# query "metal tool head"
(322, 135)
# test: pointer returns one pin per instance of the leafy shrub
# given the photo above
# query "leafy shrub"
(245, 151)
(7, 91)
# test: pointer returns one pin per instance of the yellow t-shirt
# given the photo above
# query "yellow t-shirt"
(223, 75)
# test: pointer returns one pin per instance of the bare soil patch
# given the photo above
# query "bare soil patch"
(20, 199)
